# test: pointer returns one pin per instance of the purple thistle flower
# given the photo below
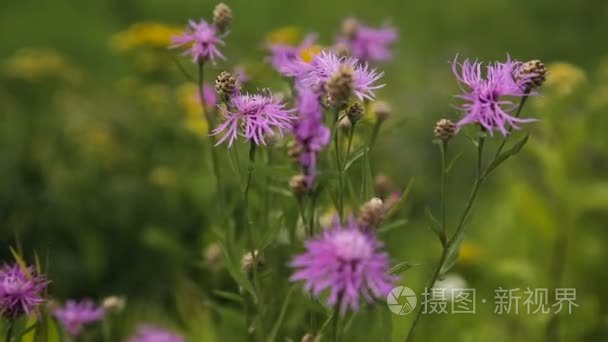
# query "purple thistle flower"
(485, 96)
(348, 263)
(20, 293)
(253, 117)
(286, 58)
(367, 43)
(309, 132)
(326, 64)
(147, 333)
(202, 40)
(74, 315)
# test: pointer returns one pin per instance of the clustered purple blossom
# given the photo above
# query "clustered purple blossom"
(367, 43)
(202, 40)
(74, 315)
(286, 59)
(254, 117)
(348, 263)
(20, 291)
(326, 64)
(146, 333)
(487, 95)
(309, 132)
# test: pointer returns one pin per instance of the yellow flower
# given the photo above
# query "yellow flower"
(564, 78)
(469, 253)
(33, 63)
(187, 99)
(308, 54)
(289, 35)
(144, 34)
(196, 125)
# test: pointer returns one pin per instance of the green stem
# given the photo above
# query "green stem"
(351, 133)
(517, 114)
(431, 283)
(250, 240)
(336, 320)
(339, 166)
(444, 176)
(372, 140)
(9, 330)
(209, 118)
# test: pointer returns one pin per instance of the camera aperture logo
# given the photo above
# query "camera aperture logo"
(401, 300)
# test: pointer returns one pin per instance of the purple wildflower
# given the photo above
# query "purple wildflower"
(147, 333)
(74, 315)
(209, 96)
(367, 43)
(20, 293)
(346, 261)
(253, 117)
(309, 132)
(202, 40)
(486, 104)
(326, 64)
(286, 59)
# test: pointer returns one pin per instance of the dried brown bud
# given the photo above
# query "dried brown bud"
(298, 185)
(340, 86)
(383, 185)
(247, 261)
(308, 338)
(371, 213)
(350, 27)
(214, 257)
(445, 129)
(354, 112)
(342, 50)
(113, 303)
(533, 73)
(294, 150)
(222, 17)
(382, 110)
(225, 84)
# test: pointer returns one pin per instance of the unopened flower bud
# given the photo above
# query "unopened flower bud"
(225, 84)
(382, 110)
(533, 73)
(308, 338)
(340, 86)
(345, 124)
(214, 256)
(354, 112)
(298, 185)
(350, 27)
(222, 17)
(371, 213)
(342, 50)
(248, 259)
(382, 185)
(445, 129)
(113, 304)
(294, 150)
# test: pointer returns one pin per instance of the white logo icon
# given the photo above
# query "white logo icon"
(401, 300)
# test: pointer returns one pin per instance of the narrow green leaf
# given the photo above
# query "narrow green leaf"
(228, 296)
(356, 156)
(434, 223)
(515, 149)
(452, 255)
(21, 263)
(451, 163)
(401, 267)
(275, 328)
(390, 226)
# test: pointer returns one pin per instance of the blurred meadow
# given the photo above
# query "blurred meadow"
(105, 174)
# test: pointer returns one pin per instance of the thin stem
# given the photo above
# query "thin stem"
(9, 330)
(336, 320)
(209, 118)
(339, 167)
(444, 176)
(372, 140)
(351, 133)
(251, 243)
(517, 114)
(431, 283)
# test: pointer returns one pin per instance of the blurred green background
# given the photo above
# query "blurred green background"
(104, 168)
